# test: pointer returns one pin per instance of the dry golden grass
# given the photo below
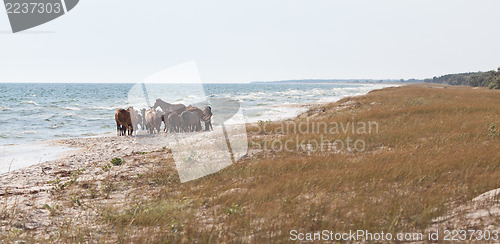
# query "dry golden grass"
(432, 151)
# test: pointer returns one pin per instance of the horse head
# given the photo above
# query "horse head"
(157, 103)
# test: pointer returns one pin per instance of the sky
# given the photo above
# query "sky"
(244, 41)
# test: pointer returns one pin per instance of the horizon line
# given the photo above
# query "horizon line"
(212, 82)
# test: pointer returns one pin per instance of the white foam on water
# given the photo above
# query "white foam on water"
(30, 102)
(270, 110)
(274, 113)
(71, 108)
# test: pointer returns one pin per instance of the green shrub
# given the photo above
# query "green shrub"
(493, 131)
(117, 161)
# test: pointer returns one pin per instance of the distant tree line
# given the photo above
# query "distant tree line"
(490, 79)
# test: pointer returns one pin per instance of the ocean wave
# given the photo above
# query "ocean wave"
(55, 126)
(190, 100)
(30, 102)
(290, 92)
(5, 108)
(70, 108)
(317, 91)
(93, 118)
(274, 113)
(105, 108)
(249, 96)
(29, 132)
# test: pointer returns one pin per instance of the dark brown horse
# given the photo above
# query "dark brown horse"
(123, 122)
(164, 118)
(189, 121)
(207, 117)
(198, 112)
(173, 122)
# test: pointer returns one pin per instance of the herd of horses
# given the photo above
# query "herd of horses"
(175, 117)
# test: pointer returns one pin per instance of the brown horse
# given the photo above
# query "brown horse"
(123, 122)
(153, 120)
(143, 116)
(198, 112)
(134, 116)
(164, 118)
(178, 108)
(207, 117)
(173, 122)
(190, 121)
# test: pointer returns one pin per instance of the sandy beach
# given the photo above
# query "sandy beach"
(86, 152)
(33, 187)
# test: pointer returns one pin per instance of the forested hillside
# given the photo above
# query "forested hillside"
(490, 79)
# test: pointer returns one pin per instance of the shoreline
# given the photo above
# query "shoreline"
(18, 156)
(82, 152)
(301, 108)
